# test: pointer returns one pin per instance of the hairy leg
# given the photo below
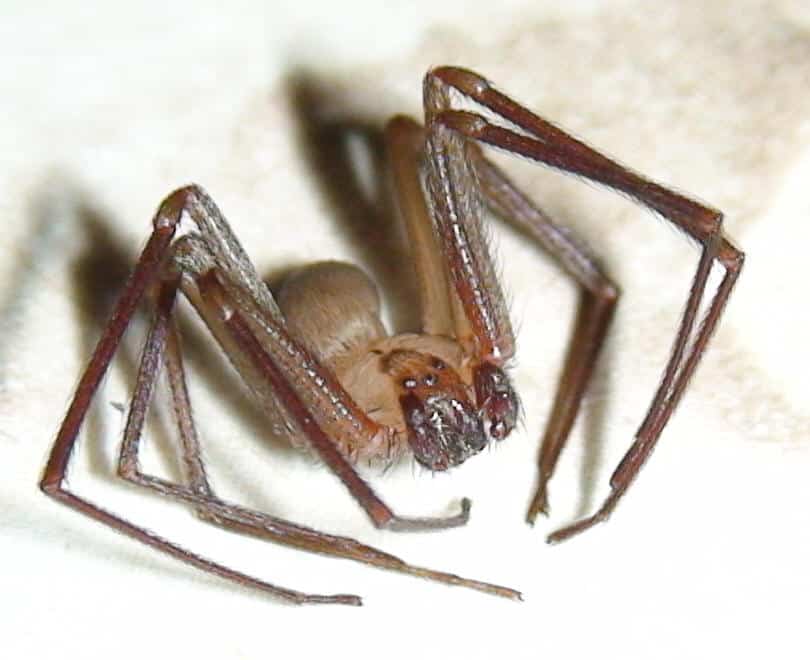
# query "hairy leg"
(543, 142)
(597, 303)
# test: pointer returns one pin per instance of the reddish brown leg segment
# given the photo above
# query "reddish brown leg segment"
(405, 139)
(548, 144)
(597, 302)
(669, 392)
(53, 480)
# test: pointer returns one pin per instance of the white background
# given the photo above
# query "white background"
(105, 110)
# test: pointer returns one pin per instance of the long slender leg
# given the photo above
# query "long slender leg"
(191, 452)
(405, 140)
(667, 397)
(597, 303)
(162, 339)
(548, 144)
(457, 210)
(53, 480)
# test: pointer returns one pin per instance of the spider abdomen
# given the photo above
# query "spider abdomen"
(332, 307)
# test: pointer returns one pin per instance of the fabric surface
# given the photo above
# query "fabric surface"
(277, 111)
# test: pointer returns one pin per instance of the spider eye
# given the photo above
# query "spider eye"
(430, 380)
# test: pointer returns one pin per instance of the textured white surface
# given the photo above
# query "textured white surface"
(106, 110)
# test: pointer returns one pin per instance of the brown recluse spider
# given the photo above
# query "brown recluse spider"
(322, 366)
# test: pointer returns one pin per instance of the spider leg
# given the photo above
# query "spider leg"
(676, 378)
(163, 340)
(543, 142)
(53, 482)
(453, 196)
(597, 303)
(405, 139)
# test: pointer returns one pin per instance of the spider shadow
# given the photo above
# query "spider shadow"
(42, 240)
(99, 271)
(347, 158)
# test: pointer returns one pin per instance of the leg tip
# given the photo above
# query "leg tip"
(539, 506)
(565, 533)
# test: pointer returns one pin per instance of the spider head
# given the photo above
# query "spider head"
(444, 427)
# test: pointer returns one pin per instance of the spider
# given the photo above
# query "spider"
(324, 369)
